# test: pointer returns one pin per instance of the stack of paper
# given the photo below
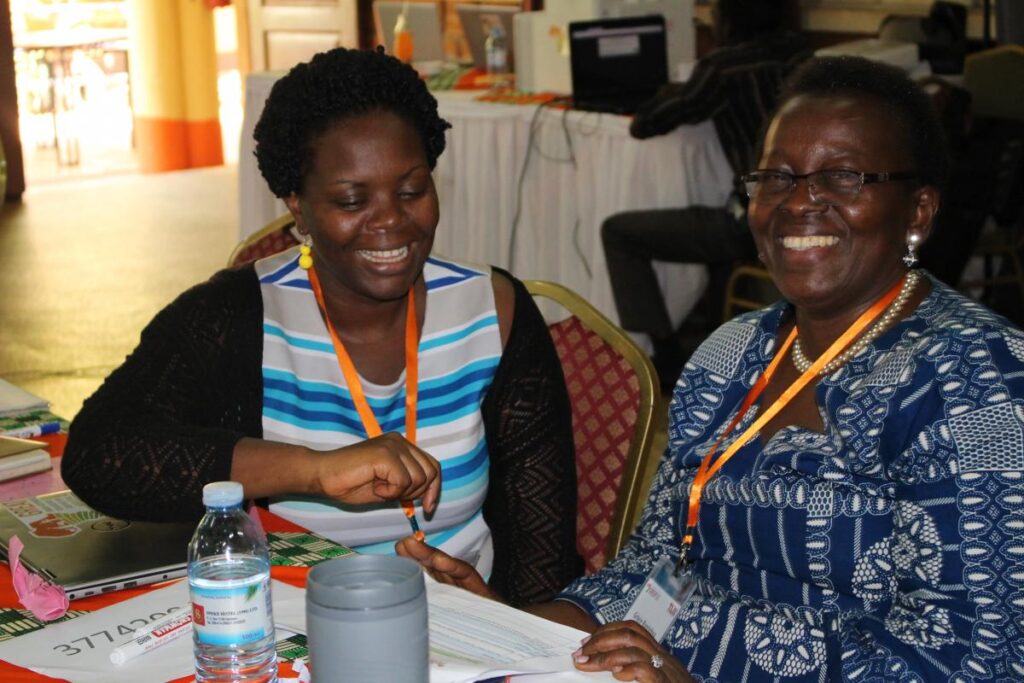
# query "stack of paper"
(16, 400)
(19, 457)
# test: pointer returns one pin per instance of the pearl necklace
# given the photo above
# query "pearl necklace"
(803, 363)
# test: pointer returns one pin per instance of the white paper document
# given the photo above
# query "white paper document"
(79, 650)
(472, 638)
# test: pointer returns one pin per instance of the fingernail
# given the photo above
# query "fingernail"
(616, 669)
(580, 659)
(585, 639)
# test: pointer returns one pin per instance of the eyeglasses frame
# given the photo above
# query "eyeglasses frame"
(865, 179)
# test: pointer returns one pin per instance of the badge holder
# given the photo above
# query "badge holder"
(668, 587)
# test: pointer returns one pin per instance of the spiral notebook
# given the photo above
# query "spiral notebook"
(87, 552)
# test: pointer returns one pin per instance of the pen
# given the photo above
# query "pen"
(153, 636)
(410, 513)
(33, 430)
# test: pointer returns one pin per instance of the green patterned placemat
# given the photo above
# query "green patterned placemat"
(292, 648)
(19, 422)
(302, 549)
(18, 622)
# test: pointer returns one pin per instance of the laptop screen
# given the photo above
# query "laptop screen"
(613, 58)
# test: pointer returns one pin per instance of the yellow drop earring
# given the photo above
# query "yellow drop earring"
(305, 255)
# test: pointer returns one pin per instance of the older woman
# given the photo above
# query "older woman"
(349, 377)
(865, 522)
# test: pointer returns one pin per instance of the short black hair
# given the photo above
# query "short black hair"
(333, 86)
(906, 100)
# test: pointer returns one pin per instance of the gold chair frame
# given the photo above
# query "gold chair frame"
(270, 228)
(631, 489)
(734, 303)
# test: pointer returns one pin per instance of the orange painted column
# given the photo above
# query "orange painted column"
(173, 64)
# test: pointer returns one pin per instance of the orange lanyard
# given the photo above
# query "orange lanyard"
(355, 387)
(708, 469)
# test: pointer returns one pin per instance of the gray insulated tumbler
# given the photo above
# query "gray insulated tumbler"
(366, 620)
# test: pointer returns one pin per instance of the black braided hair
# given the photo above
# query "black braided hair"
(333, 86)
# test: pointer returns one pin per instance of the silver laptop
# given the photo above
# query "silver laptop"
(477, 21)
(88, 553)
(421, 19)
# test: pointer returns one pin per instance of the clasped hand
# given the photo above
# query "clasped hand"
(386, 467)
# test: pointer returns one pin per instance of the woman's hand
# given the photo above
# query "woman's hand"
(383, 468)
(626, 649)
(444, 568)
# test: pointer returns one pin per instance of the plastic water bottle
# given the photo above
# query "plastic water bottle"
(496, 49)
(229, 581)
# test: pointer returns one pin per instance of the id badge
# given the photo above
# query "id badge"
(661, 598)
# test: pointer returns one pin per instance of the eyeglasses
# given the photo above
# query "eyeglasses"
(835, 187)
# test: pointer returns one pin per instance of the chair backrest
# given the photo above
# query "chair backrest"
(612, 389)
(276, 236)
(995, 79)
(749, 288)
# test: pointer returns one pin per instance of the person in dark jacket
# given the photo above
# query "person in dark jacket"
(735, 86)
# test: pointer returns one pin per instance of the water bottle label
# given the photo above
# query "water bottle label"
(232, 616)
(497, 61)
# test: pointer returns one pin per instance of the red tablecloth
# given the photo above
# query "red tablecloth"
(15, 674)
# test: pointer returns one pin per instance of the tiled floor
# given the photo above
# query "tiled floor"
(85, 264)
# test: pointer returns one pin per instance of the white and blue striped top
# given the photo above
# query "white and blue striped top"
(306, 401)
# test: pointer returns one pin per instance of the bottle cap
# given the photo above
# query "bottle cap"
(222, 494)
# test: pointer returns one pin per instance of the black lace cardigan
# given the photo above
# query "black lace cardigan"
(166, 422)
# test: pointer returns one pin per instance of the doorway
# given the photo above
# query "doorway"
(72, 74)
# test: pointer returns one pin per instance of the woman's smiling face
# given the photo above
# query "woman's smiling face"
(837, 259)
(369, 203)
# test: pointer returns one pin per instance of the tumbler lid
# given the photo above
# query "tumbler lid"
(364, 582)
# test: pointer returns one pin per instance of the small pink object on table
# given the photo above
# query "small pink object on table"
(43, 599)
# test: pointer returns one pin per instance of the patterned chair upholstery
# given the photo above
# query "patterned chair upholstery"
(612, 388)
(276, 236)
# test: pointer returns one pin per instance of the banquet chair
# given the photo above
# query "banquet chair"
(749, 288)
(998, 145)
(995, 79)
(276, 236)
(612, 387)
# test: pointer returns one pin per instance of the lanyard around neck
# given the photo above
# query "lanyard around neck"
(708, 469)
(355, 386)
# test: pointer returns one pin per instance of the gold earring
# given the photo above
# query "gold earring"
(305, 255)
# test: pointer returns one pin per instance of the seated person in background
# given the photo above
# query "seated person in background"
(865, 524)
(735, 86)
(240, 379)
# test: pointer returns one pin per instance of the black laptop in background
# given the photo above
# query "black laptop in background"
(618, 63)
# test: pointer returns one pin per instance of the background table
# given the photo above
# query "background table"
(580, 168)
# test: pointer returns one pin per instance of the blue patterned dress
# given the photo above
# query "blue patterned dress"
(889, 547)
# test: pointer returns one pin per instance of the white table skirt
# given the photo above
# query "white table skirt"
(561, 202)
